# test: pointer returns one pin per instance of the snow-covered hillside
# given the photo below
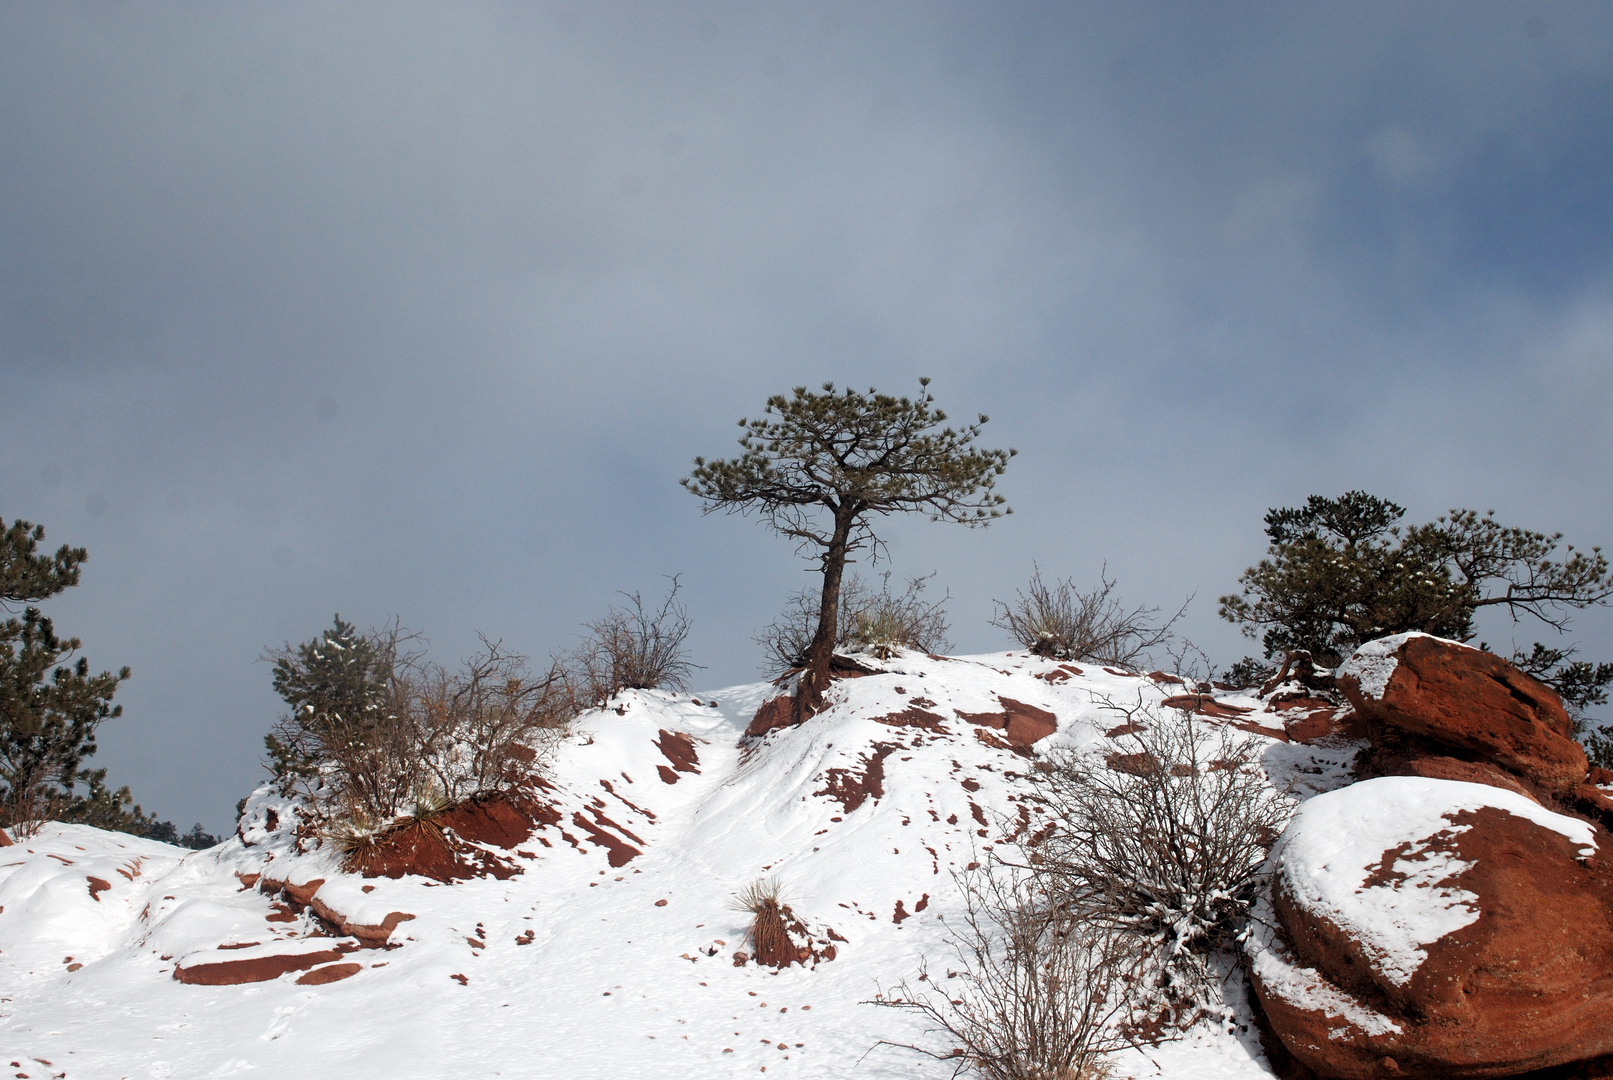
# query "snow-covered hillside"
(610, 954)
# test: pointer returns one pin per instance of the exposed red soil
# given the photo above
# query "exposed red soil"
(1254, 728)
(441, 848)
(915, 717)
(900, 914)
(329, 973)
(1307, 719)
(618, 851)
(370, 936)
(252, 969)
(852, 788)
(678, 748)
(97, 886)
(775, 713)
(1022, 724)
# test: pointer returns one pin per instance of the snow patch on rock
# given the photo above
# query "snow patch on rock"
(1377, 860)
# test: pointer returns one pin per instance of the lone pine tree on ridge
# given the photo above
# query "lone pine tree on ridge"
(817, 466)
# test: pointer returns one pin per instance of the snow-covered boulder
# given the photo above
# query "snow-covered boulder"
(1431, 704)
(1430, 928)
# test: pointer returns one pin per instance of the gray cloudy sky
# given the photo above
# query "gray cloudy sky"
(423, 310)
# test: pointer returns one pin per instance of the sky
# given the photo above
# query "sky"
(421, 311)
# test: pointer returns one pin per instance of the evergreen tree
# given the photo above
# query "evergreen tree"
(335, 686)
(817, 467)
(1340, 572)
(50, 704)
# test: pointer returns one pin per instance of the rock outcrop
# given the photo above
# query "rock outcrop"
(1427, 697)
(1451, 915)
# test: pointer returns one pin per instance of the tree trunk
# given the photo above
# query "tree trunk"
(815, 679)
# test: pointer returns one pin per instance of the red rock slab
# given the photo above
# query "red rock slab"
(775, 713)
(97, 887)
(1023, 724)
(678, 748)
(251, 969)
(1478, 703)
(1205, 705)
(370, 936)
(329, 973)
(1026, 723)
(1527, 986)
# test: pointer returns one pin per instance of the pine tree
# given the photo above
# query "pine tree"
(818, 466)
(333, 684)
(1340, 572)
(50, 704)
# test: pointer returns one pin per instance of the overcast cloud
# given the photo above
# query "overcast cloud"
(423, 311)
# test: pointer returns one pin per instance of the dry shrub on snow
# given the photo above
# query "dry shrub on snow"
(634, 648)
(1042, 994)
(1060, 622)
(869, 621)
(1164, 842)
(381, 737)
(769, 932)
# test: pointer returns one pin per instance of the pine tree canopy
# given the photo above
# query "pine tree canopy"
(50, 704)
(1340, 572)
(853, 454)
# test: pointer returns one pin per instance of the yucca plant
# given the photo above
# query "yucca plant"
(769, 931)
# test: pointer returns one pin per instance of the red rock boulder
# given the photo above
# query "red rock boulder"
(1445, 698)
(1430, 928)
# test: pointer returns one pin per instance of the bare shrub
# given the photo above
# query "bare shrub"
(769, 932)
(396, 739)
(634, 648)
(1060, 622)
(1041, 995)
(869, 621)
(1165, 842)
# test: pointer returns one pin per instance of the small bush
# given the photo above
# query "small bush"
(769, 932)
(634, 648)
(1041, 994)
(1062, 623)
(1165, 843)
(377, 732)
(869, 621)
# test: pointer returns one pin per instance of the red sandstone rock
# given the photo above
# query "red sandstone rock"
(1206, 705)
(1471, 701)
(1026, 723)
(371, 936)
(329, 973)
(1527, 985)
(251, 969)
(775, 713)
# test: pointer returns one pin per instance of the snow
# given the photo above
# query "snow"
(576, 968)
(1374, 663)
(1333, 857)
